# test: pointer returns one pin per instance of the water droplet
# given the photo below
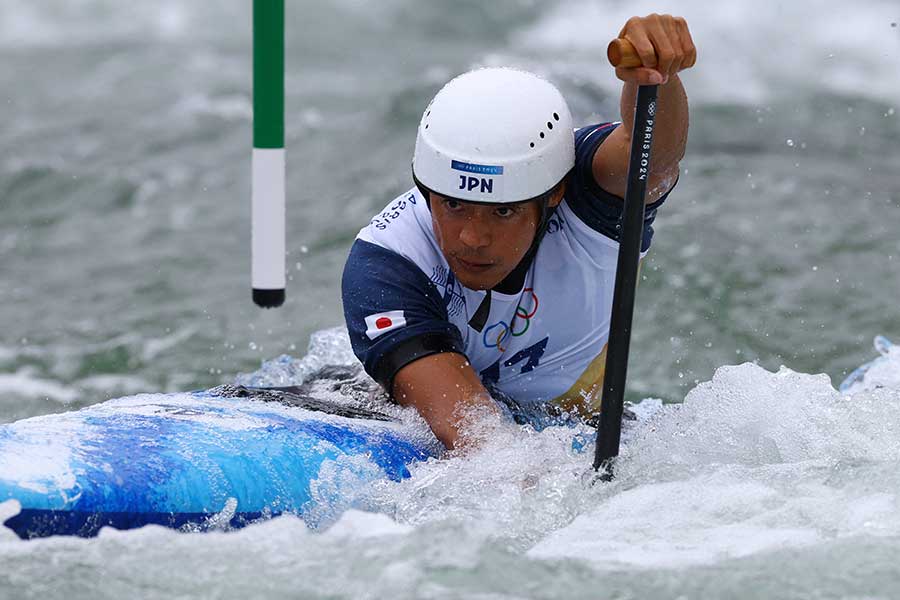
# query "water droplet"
(790, 142)
(862, 131)
(304, 249)
(298, 266)
(252, 345)
(815, 268)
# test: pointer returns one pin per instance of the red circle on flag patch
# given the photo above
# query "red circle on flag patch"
(383, 322)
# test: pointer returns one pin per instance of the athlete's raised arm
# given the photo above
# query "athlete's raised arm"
(665, 46)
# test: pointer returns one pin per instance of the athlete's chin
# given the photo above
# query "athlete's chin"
(479, 281)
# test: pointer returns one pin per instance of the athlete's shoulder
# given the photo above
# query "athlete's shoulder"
(404, 228)
(591, 209)
(589, 137)
(397, 221)
(394, 312)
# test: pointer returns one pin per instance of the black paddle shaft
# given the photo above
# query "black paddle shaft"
(610, 430)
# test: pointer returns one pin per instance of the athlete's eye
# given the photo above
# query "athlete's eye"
(451, 204)
(504, 212)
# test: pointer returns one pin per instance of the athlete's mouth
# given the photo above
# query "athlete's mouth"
(474, 265)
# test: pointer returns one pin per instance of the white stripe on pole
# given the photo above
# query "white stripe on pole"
(267, 218)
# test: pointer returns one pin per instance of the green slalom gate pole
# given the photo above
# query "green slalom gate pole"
(267, 229)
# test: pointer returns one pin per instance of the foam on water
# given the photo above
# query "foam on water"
(25, 383)
(762, 485)
(753, 464)
(82, 22)
(730, 36)
(326, 347)
(8, 509)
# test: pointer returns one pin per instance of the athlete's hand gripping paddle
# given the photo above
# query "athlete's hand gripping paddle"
(622, 53)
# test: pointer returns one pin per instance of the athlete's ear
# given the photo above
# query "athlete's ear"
(557, 196)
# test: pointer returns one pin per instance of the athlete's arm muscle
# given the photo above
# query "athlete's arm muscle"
(446, 391)
(665, 46)
(610, 165)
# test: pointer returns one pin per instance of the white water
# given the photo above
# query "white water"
(752, 467)
(761, 485)
(750, 51)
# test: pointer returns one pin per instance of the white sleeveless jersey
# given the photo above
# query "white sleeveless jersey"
(541, 344)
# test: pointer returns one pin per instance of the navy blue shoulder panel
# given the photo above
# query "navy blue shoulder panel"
(597, 208)
(395, 314)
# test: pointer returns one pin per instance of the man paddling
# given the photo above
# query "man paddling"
(494, 275)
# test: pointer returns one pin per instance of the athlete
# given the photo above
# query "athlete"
(493, 276)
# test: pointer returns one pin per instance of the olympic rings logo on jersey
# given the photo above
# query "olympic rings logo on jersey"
(495, 335)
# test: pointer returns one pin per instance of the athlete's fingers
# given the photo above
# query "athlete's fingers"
(687, 43)
(662, 42)
(636, 33)
(640, 75)
(675, 39)
(659, 37)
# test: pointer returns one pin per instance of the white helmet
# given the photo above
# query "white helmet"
(494, 135)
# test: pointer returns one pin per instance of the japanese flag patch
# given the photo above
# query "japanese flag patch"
(383, 322)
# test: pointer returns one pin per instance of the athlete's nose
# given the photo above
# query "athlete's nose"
(475, 234)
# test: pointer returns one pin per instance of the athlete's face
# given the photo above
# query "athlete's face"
(483, 243)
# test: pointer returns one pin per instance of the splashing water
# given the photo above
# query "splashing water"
(752, 467)
(762, 484)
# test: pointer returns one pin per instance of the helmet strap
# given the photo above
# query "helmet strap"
(513, 282)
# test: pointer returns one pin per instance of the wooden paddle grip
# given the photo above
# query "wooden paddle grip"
(621, 53)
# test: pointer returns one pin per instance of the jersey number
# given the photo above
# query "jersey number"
(532, 353)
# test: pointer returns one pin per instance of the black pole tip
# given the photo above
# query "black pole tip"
(604, 468)
(268, 298)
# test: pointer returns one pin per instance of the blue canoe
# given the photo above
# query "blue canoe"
(227, 456)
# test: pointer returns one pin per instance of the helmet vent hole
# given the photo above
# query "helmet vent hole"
(542, 135)
(532, 144)
(555, 116)
(549, 125)
(426, 125)
(428, 114)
